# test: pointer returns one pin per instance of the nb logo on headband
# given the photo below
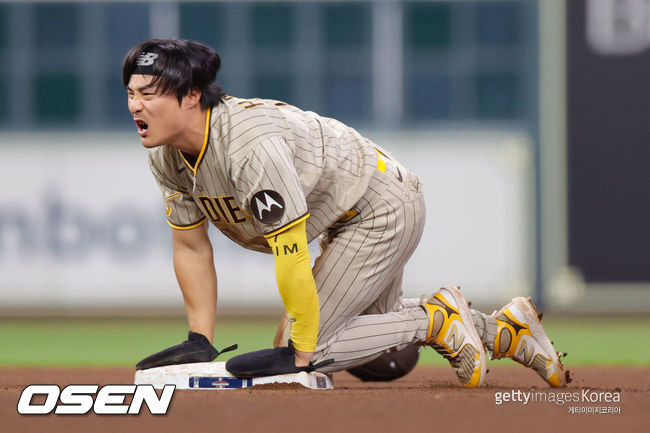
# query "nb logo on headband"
(146, 59)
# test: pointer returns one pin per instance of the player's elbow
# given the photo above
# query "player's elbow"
(193, 242)
(200, 250)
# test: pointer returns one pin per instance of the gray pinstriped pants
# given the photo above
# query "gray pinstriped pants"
(359, 274)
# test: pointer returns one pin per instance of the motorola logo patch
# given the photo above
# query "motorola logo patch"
(267, 206)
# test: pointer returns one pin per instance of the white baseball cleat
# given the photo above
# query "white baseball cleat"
(521, 337)
(452, 334)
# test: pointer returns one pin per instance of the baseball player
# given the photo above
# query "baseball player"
(272, 178)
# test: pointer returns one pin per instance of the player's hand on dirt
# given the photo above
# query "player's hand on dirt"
(196, 348)
(270, 362)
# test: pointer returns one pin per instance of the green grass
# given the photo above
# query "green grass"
(592, 340)
(113, 342)
(602, 340)
(123, 342)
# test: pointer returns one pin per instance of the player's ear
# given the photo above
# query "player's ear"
(192, 99)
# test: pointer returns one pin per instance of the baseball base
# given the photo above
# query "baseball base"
(213, 375)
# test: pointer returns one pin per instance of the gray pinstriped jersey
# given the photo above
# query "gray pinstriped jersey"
(315, 164)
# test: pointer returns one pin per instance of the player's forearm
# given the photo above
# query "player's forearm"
(197, 278)
(296, 285)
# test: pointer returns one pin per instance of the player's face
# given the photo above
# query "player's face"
(157, 116)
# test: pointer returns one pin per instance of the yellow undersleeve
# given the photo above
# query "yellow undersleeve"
(296, 284)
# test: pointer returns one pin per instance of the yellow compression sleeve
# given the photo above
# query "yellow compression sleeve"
(296, 283)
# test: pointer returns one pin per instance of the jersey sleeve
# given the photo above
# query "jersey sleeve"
(268, 186)
(179, 206)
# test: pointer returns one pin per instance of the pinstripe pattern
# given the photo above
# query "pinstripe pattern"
(359, 275)
(168, 172)
(318, 165)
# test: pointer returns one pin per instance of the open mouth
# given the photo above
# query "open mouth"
(142, 127)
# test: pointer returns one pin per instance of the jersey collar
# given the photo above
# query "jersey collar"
(206, 136)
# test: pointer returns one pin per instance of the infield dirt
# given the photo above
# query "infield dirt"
(427, 400)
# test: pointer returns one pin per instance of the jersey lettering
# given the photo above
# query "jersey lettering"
(210, 209)
(247, 104)
(214, 209)
(233, 209)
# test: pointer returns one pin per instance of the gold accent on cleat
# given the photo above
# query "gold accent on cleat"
(451, 333)
(521, 337)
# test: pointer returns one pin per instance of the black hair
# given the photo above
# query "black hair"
(180, 66)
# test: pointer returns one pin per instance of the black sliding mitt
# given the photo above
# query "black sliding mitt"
(196, 348)
(269, 362)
